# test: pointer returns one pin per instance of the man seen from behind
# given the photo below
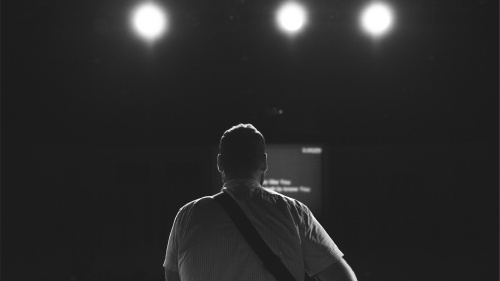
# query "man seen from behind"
(205, 244)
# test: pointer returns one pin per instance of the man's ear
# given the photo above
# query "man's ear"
(264, 160)
(219, 165)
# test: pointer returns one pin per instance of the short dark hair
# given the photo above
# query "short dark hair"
(241, 148)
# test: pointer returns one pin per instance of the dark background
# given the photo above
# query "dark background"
(104, 138)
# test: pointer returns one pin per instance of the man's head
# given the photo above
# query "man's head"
(242, 153)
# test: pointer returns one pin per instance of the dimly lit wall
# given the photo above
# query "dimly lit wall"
(95, 212)
(416, 212)
(405, 212)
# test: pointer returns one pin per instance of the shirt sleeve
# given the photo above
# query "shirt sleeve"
(319, 250)
(171, 257)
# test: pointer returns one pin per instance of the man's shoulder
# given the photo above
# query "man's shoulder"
(287, 200)
(202, 201)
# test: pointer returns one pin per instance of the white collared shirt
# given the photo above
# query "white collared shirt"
(204, 244)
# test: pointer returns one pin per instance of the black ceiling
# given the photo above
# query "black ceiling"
(73, 73)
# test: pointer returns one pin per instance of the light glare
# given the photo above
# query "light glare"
(291, 17)
(377, 19)
(149, 21)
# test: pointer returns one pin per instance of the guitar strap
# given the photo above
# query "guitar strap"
(271, 261)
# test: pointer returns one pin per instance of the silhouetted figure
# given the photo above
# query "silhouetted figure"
(205, 244)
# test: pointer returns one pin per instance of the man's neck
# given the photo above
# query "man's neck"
(255, 177)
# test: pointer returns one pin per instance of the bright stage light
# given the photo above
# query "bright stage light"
(377, 19)
(149, 21)
(291, 17)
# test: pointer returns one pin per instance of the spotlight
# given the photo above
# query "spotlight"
(377, 19)
(291, 17)
(149, 21)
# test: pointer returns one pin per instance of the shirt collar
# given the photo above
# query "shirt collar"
(235, 183)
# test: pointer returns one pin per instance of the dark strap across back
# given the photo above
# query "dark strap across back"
(271, 261)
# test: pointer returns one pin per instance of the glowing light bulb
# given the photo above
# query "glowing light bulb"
(149, 21)
(377, 19)
(291, 17)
